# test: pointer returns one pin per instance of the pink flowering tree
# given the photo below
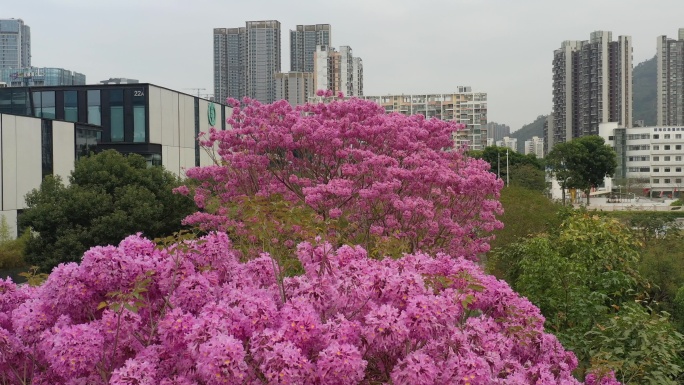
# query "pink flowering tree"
(193, 313)
(349, 172)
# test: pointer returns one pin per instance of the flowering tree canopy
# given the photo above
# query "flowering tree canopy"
(377, 176)
(192, 313)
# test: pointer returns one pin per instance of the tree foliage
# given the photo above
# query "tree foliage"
(582, 163)
(384, 179)
(584, 278)
(109, 196)
(192, 313)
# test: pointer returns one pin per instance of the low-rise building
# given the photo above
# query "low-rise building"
(44, 130)
(509, 142)
(41, 76)
(649, 158)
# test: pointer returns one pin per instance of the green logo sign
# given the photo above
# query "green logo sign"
(211, 114)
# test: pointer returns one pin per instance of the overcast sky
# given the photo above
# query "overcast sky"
(501, 47)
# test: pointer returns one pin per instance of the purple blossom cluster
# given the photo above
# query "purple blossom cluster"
(393, 176)
(193, 313)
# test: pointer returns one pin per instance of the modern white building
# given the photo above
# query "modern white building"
(44, 130)
(648, 157)
(31, 148)
(535, 146)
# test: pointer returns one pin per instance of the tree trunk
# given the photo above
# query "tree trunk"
(563, 190)
(588, 191)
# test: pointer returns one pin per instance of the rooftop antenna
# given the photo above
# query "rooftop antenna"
(196, 89)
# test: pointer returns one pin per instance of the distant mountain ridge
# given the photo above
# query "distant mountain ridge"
(644, 100)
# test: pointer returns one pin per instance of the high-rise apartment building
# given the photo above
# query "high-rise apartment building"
(463, 106)
(15, 44)
(508, 142)
(670, 81)
(338, 71)
(303, 42)
(592, 84)
(246, 61)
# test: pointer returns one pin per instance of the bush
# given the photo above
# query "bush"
(192, 313)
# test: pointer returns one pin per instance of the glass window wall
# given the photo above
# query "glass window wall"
(117, 115)
(139, 126)
(71, 106)
(94, 107)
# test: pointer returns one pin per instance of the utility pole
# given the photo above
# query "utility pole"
(507, 174)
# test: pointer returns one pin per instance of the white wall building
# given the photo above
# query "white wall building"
(648, 157)
(535, 146)
(295, 87)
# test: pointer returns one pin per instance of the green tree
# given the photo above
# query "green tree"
(522, 170)
(584, 278)
(582, 163)
(109, 196)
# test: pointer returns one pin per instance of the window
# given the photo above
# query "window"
(678, 180)
(678, 158)
(48, 104)
(667, 180)
(656, 136)
(656, 180)
(656, 169)
(94, 108)
(678, 136)
(666, 136)
(656, 147)
(117, 115)
(678, 147)
(655, 158)
(667, 169)
(139, 117)
(667, 146)
(667, 158)
(71, 106)
(678, 169)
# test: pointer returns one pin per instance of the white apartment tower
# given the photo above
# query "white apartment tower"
(535, 146)
(15, 44)
(670, 81)
(295, 87)
(338, 71)
(592, 84)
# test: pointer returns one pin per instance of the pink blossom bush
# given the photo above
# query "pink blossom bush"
(193, 313)
(381, 178)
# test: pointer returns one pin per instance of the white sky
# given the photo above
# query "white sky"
(502, 47)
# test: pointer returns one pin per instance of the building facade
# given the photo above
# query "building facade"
(160, 124)
(31, 148)
(15, 44)
(651, 158)
(464, 106)
(295, 87)
(508, 142)
(592, 84)
(535, 146)
(246, 61)
(303, 42)
(670, 81)
(35, 76)
(338, 71)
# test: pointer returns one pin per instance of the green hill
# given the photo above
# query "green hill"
(529, 130)
(644, 90)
